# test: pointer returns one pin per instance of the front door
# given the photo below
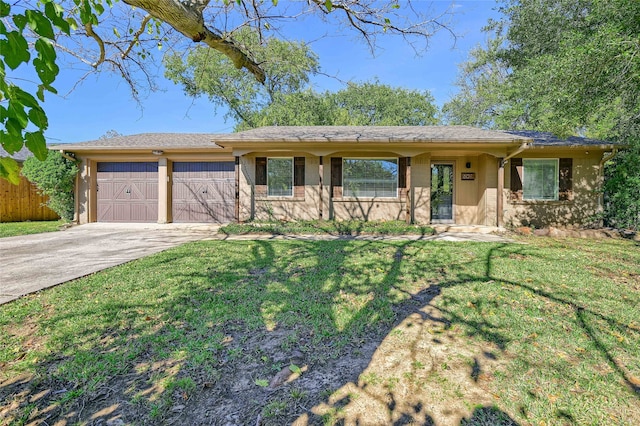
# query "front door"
(442, 193)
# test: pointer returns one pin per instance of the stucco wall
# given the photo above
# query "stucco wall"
(279, 208)
(577, 212)
(83, 193)
(487, 190)
(421, 191)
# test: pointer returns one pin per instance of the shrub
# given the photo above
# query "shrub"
(54, 177)
(622, 190)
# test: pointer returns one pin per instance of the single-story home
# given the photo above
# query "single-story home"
(423, 174)
(22, 202)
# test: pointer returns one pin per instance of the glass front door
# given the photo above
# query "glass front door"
(442, 192)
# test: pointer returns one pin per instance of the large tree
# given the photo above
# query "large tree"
(120, 36)
(565, 66)
(287, 98)
(571, 67)
(203, 72)
(359, 104)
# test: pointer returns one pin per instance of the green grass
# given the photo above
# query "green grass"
(315, 227)
(562, 316)
(13, 229)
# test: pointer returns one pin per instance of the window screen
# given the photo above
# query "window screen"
(540, 179)
(370, 177)
(280, 177)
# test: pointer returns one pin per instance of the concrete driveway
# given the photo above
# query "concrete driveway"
(33, 262)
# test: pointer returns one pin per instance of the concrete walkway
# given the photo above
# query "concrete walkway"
(34, 262)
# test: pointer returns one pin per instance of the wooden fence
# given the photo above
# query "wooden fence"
(19, 203)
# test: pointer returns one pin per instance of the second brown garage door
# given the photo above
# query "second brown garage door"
(127, 192)
(203, 192)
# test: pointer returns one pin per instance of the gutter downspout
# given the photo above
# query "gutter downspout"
(500, 194)
(76, 183)
(601, 181)
(525, 145)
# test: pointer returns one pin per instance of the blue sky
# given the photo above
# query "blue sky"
(103, 102)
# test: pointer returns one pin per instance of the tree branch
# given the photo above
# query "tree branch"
(89, 28)
(136, 35)
(188, 20)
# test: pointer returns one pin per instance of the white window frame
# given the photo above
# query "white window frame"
(345, 190)
(556, 182)
(292, 177)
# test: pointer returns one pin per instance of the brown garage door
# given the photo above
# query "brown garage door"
(127, 192)
(203, 192)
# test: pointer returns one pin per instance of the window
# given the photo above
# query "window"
(280, 177)
(370, 178)
(540, 179)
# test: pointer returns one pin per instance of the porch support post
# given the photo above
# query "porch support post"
(164, 194)
(91, 170)
(237, 189)
(500, 194)
(320, 188)
(409, 207)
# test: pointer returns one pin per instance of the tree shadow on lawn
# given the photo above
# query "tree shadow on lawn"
(200, 336)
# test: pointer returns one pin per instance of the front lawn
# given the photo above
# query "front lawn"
(542, 331)
(13, 229)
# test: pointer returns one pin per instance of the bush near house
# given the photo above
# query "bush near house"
(54, 177)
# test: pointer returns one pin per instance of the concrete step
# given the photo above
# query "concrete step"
(474, 229)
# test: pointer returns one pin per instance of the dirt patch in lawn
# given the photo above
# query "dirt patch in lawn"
(421, 371)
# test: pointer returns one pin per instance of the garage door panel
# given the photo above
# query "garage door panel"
(122, 212)
(203, 191)
(141, 211)
(127, 192)
(104, 211)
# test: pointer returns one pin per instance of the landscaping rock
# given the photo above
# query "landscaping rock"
(541, 232)
(523, 230)
(595, 233)
(559, 232)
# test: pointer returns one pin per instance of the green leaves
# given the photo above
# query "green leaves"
(295, 369)
(54, 12)
(206, 72)
(53, 174)
(329, 5)
(37, 144)
(5, 9)
(23, 120)
(360, 104)
(9, 169)
(566, 67)
(39, 23)
(263, 383)
(45, 63)
(15, 49)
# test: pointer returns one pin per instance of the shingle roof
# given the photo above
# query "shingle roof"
(368, 134)
(320, 134)
(145, 141)
(549, 139)
(19, 156)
